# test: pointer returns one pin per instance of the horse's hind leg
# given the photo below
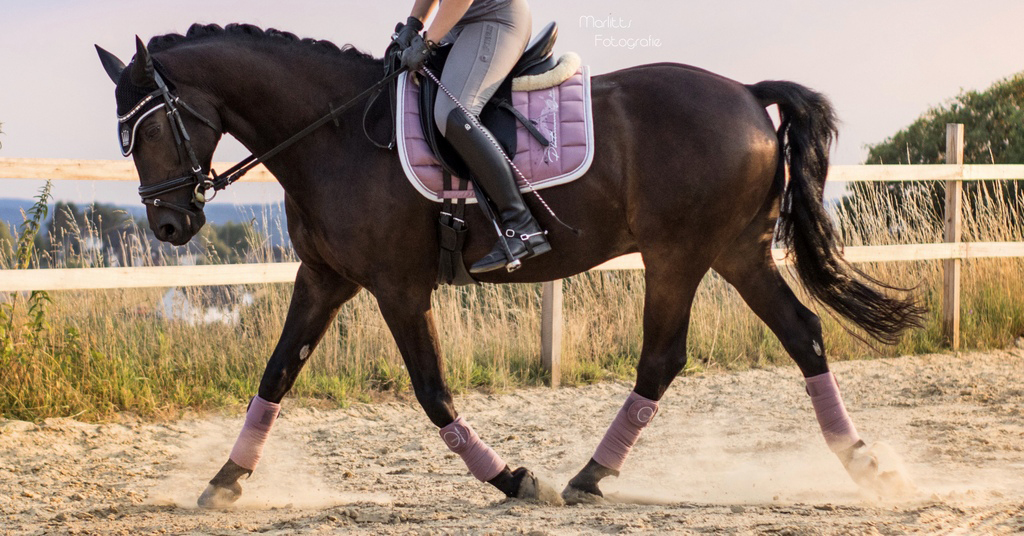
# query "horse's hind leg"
(315, 301)
(748, 266)
(671, 286)
(408, 314)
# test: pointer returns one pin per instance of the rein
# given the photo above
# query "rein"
(200, 182)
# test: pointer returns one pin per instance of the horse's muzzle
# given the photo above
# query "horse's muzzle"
(178, 229)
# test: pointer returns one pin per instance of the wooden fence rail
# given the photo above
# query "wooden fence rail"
(284, 272)
(952, 251)
(124, 170)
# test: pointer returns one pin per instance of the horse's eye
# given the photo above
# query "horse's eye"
(152, 132)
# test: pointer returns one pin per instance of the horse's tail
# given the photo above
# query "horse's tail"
(806, 132)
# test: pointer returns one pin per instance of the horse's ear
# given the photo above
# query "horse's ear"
(111, 64)
(142, 66)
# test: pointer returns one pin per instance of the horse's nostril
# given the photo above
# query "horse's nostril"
(167, 231)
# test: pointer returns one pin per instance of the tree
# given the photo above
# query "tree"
(86, 234)
(237, 236)
(226, 243)
(105, 235)
(993, 122)
(993, 129)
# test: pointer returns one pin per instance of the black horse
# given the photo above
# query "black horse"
(689, 171)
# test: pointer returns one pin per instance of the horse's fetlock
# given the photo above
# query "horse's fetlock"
(590, 475)
(229, 474)
(586, 485)
(506, 482)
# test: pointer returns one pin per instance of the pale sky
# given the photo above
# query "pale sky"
(881, 62)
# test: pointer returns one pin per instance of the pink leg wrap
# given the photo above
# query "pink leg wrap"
(482, 461)
(625, 430)
(258, 420)
(836, 426)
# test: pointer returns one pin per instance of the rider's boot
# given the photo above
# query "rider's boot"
(492, 172)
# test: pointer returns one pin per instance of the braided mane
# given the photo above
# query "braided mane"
(238, 31)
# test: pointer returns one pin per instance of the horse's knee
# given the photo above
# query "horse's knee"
(654, 374)
(437, 403)
(278, 377)
(674, 364)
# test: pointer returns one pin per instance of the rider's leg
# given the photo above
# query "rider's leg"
(522, 233)
(483, 54)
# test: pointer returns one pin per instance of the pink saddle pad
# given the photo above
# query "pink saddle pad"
(563, 114)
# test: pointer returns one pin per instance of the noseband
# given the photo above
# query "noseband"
(195, 180)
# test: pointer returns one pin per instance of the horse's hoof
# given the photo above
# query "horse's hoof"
(220, 496)
(574, 495)
(879, 470)
(532, 488)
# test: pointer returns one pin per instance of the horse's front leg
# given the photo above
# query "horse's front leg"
(411, 321)
(315, 301)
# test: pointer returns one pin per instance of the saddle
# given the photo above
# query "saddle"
(540, 82)
(498, 115)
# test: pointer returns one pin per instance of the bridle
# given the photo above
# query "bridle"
(196, 179)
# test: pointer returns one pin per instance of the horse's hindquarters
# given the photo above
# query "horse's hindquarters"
(700, 158)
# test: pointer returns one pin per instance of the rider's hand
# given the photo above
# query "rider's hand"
(405, 32)
(417, 53)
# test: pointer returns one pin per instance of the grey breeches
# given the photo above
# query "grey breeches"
(485, 50)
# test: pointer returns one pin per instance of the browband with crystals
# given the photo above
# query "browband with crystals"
(142, 103)
(126, 127)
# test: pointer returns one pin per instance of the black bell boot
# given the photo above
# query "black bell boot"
(523, 234)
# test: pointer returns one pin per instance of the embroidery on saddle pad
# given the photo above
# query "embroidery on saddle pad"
(563, 114)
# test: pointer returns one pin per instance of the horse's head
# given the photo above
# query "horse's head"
(171, 132)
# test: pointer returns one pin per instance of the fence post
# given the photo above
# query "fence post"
(951, 267)
(551, 330)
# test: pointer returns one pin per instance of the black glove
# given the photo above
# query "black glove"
(405, 32)
(416, 55)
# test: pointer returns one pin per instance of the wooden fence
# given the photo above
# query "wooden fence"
(952, 251)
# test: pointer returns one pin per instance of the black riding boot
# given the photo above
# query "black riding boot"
(493, 173)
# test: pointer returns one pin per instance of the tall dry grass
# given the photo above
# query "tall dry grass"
(110, 351)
